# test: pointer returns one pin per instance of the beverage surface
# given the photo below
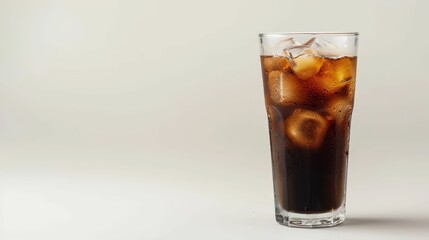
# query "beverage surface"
(309, 101)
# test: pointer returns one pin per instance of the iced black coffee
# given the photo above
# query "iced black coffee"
(309, 93)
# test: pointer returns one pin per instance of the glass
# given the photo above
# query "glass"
(309, 84)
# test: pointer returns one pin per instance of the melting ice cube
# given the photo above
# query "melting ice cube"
(307, 64)
(323, 47)
(286, 88)
(275, 64)
(306, 128)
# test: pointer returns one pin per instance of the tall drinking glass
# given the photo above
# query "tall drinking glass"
(309, 84)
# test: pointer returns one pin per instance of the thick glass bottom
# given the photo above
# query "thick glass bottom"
(319, 220)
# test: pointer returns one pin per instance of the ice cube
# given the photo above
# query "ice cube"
(304, 61)
(306, 128)
(339, 108)
(285, 88)
(275, 64)
(345, 69)
(323, 47)
(295, 51)
(335, 75)
(307, 64)
(291, 48)
(286, 44)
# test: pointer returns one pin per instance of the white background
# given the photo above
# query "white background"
(130, 119)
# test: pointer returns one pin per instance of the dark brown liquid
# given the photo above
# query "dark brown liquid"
(310, 175)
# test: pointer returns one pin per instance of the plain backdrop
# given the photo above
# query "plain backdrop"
(130, 119)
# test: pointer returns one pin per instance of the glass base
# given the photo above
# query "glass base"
(319, 220)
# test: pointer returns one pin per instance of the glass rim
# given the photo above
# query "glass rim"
(279, 34)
